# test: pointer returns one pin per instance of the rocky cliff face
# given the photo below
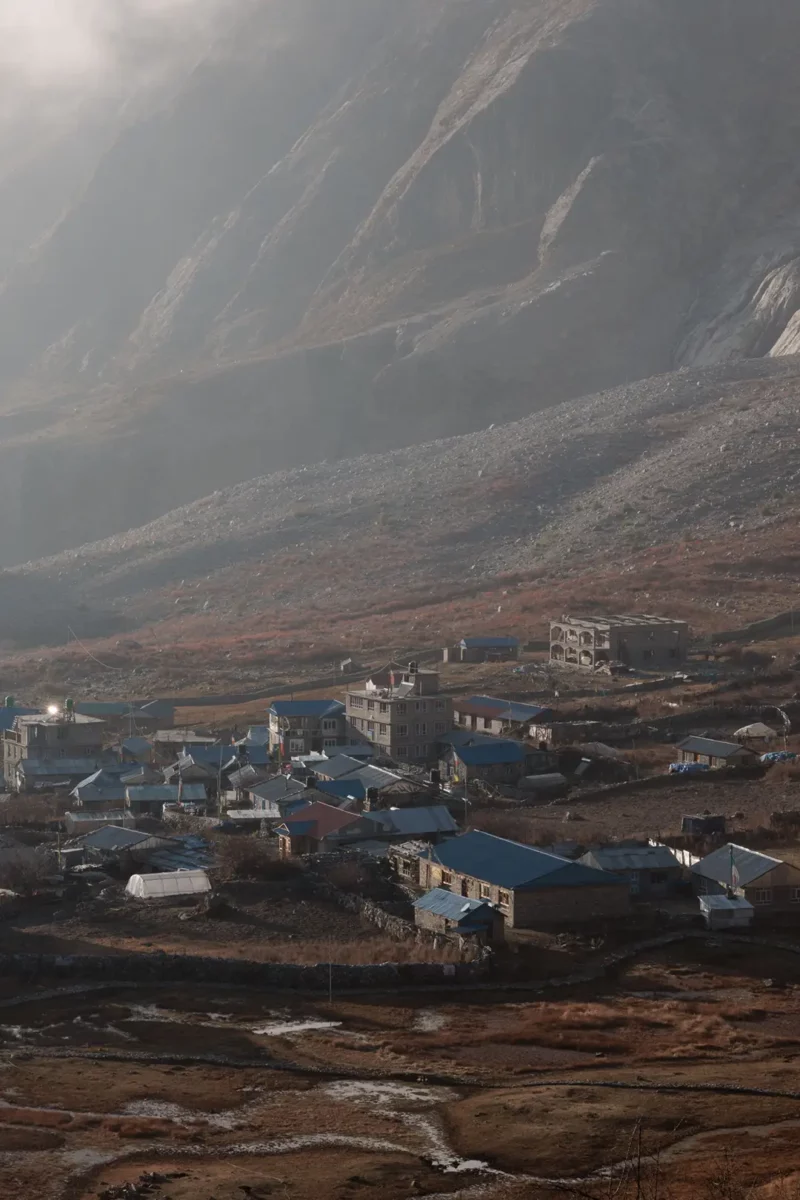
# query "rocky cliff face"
(363, 225)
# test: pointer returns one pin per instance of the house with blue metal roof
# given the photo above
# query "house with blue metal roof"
(442, 911)
(299, 727)
(531, 888)
(491, 714)
(494, 760)
(483, 648)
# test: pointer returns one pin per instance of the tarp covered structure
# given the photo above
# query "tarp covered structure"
(167, 884)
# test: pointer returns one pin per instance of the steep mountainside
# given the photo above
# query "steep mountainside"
(689, 455)
(367, 224)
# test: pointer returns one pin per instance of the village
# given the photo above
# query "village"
(409, 897)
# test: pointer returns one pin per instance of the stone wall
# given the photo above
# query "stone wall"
(184, 968)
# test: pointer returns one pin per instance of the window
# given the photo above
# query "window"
(421, 706)
(795, 895)
(673, 652)
(440, 705)
(487, 722)
(509, 771)
(329, 743)
(384, 729)
(422, 727)
(447, 879)
(762, 896)
(356, 701)
(329, 726)
(658, 877)
(486, 891)
(402, 731)
(503, 899)
(439, 728)
(401, 752)
(370, 705)
(370, 726)
(384, 708)
(62, 732)
(400, 709)
(648, 654)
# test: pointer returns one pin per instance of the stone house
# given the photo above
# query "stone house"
(497, 761)
(531, 888)
(49, 740)
(650, 871)
(714, 753)
(298, 727)
(307, 829)
(442, 911)
(770, 884)
(644, 642)
(488, 714)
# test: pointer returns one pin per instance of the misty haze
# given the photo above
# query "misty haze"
(399, 562)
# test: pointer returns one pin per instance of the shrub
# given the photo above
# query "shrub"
(242, 857)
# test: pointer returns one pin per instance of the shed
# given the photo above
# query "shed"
(441, 911)
(726, 912)
(168, 885)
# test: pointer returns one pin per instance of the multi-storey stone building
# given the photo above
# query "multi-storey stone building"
(402, 712)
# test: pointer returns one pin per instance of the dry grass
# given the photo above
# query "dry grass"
(365, 953)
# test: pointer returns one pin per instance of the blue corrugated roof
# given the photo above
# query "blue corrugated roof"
(452, 907)
(9, 715)
(307, 708)
(488, 754)
(511, 865)
(489, 643)
(510, 710)
(465, 737)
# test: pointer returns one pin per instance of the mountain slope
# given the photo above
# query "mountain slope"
(687, 455)
(369, 224)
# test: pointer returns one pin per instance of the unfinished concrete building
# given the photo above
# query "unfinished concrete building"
(643, 642)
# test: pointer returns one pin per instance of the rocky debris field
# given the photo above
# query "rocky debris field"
(695, 453)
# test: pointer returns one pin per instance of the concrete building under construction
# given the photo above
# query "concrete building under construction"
(643, 642)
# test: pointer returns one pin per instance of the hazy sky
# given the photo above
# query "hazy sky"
(74, 44)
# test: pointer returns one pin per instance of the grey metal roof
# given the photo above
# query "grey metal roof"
(724, 902)
(340, 765)
(453, 907)
(749, 865)
(631, 858)
(278, 788)
(189, 793)
(712, 747)
(374, 777)
(413, 822)
(113, 837)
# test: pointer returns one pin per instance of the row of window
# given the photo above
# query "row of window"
(764, 895)
(400, 708)
(503, 898)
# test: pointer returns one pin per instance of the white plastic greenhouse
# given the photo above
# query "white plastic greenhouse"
(171, 883)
